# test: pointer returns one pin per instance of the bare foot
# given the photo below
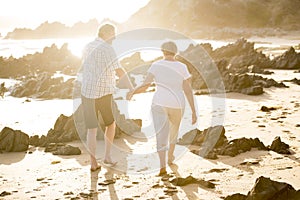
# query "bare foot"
(162, 172)
(95, 168)
(109, 163)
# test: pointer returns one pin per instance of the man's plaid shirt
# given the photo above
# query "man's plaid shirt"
(99, 64)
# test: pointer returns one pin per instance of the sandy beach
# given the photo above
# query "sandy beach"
(36, 174)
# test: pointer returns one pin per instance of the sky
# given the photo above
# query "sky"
(31, 13)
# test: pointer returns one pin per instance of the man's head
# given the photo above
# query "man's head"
(107, 32)
(169, 48)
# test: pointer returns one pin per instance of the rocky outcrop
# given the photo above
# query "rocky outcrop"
(288, 60)
(267, 189)
(241, 54)
(51, 60)
(212, 142)
(55, 30)
(13, 140)
(227, 68)
(44, 86)
(279, 146)
(71, 128)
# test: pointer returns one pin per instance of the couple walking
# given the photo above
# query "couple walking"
(172, 81)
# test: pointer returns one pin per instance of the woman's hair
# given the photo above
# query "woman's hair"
(169, 48)
(105, 28)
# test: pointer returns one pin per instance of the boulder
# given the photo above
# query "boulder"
(279, 146)
(288, 60)
(62, 149)
(254, 90)
(267, 189)
(236, 196)
(13, 140)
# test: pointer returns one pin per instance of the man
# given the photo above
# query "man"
(100, 65)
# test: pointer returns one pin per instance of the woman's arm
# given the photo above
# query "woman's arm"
(142, 88)
(189, 95)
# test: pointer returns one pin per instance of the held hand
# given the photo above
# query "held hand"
(129, 95)
(194, 118)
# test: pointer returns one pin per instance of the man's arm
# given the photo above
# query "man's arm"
(142, 88)
(121, 73)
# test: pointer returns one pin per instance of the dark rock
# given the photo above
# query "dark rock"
(3, 89)
(67, 150)
(179, 181)
(4, 193)
(64, 130)
(255, 90)
(213, 142)
(279, 146)
(237, 196)
(43, 85)
(267, 109)
(257, 70)
(34, 140)
(62, 149)
(208, 139)
(189, 137)
(265, 189)
(288, 60)
(294, 80)
(13, 140)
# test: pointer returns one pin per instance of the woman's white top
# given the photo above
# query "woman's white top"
(169, 77)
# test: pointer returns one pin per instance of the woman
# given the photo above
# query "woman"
(172, 80)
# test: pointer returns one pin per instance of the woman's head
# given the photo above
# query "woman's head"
(169, 48)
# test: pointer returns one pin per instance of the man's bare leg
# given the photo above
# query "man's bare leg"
(109, 139)
(92, 143)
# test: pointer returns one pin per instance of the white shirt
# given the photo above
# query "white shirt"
(169, 77)
(99, 64)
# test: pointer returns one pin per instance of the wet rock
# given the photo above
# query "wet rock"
(179, 181)
(13, 140)
(279, 146)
